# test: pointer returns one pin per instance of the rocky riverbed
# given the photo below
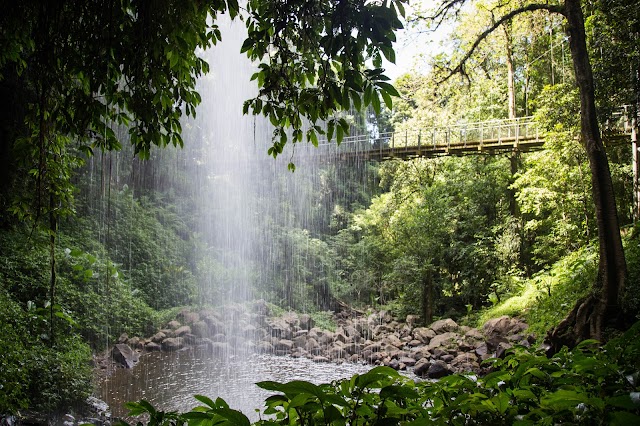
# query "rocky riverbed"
(377, 338)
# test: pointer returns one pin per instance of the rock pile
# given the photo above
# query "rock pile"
(378, 339)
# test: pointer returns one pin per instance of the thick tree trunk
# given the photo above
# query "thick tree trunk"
(588, 317)
(427, 298)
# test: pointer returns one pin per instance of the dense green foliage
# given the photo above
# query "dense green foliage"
(112, 241)
(589, 385)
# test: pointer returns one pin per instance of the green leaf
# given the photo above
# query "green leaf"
(205, 400)
(386, 87)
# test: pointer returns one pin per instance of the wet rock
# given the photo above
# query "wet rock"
(200, 329)
(135, 343)
(447, 358)
(173, 325)
(325, 338)
(311, 344)
(320, 359)
(190, 339)
(306, 322)
(421, 367)
(339, 336)
(219, 338)
(424, 334)
(124, 355)
(123, 338)
(392, 340)
(465, 358)
(444, 326)
(214, 324)
(353, 348)
(408, 361)
(188, 317)
(299, 333)
(168, 332)
(264, 347)
(152, 347)
(443, 340)
(412, 320)
(281, 329)
(438, 369)
(283, 345)
(181, 331)
(172, 344)
(300, 341)
(261, 307)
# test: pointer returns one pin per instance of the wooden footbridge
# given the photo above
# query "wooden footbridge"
(486, 137)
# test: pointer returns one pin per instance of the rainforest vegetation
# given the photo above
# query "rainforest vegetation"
(100, 229)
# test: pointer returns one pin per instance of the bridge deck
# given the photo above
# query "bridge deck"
(491, 137)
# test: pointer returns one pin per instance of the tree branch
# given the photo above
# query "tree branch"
(525, 9)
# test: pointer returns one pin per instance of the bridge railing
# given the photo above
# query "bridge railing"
(493, 132)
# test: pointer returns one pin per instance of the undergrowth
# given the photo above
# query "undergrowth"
(547, 297)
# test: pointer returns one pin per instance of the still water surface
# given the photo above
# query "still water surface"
(168, 380)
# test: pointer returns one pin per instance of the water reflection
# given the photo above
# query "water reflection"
(169, 380)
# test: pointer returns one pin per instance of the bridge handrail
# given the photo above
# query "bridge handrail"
(477, 134)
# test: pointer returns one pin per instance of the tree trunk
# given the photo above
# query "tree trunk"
(427, 298)
(511, 73)
(588, 317)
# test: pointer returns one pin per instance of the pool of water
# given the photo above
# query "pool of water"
(169, 380)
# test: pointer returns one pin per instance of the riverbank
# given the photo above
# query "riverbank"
(376, 338)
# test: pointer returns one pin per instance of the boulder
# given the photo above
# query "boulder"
(123, 338)
(474, 334)
(261, 307)
(190, 339)
(438, 369)
(200, 329)
(351, 331)
(320, 359)
(158, 337)
(300, 341)
(424, 334)
(503, 326)
(188, 317)
(152, 347)
(172, 344)
(443, 340)
(392, 340)
(421, 367)
(135, 343)
(311, 344)
(444, 326)
(306, 322)
(412, 320)
(219, 338)
(124, 355)
(173, 325)
(249, 331)
(408, 361)
(181, 331)
(264, 347)
(215, 325)
(464, 358)
(284, 345)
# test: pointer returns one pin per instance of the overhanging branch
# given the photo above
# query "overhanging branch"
(524, 9)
